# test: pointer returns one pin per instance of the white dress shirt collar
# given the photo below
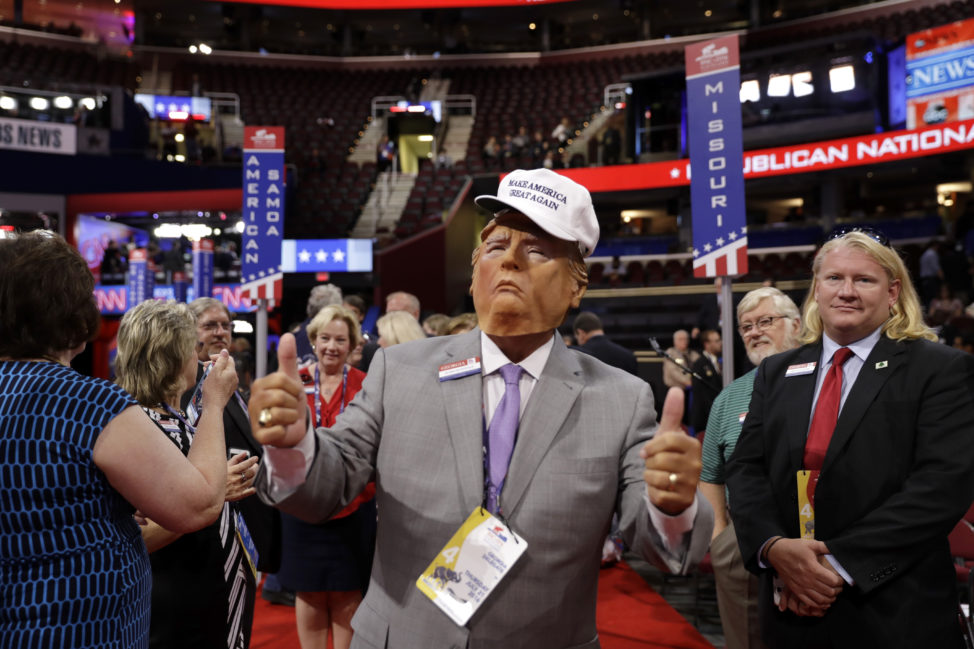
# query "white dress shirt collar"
(861, 348)
(492, 358)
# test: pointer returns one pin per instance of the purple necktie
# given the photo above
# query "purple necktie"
(502, 434)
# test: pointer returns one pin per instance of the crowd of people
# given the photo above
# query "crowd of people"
(536, 150)
(369, 472)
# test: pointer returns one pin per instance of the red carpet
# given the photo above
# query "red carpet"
(630, 615)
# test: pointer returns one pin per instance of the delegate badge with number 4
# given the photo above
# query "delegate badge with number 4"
(806, 502)
(471, 564)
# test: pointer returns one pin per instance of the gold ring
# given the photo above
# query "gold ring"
(672, 481)
(265, 417)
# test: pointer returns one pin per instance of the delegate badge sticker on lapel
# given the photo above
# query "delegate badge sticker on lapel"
(471, 565)
(459, 369)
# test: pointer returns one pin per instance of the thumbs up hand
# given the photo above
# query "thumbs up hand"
(672, 460)
(277, 403)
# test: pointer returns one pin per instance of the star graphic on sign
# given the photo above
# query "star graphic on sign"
(707, 247)
(260, 273)
(696, 253)
(744, 230)
(732, 236)
(252, 277)
(339, 255)
(321, 256)
(304, 256)
(674, 172)
(720, 241)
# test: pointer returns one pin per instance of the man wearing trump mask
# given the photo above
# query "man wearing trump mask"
(500, 445)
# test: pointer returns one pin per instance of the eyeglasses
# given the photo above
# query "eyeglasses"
(876, 235)
(210, 327)
(762, 324)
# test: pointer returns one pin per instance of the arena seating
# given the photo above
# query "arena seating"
(43, 67)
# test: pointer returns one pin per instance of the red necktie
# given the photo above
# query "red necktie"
(826, 412)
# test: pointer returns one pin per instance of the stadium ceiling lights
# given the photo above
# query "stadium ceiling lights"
(842, 78)
(192, 231)
(750, 90)
(801, 83)
(8, 103)
(201, 48)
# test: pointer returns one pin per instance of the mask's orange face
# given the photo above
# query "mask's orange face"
(522, 281)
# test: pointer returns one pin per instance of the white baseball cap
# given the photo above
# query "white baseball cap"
(558, 205)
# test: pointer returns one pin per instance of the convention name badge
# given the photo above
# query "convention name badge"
(246, 542)
(806, 503)
(471, 565)
(800, 369)
(459, 369)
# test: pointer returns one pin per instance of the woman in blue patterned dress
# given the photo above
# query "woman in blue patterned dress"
(201, 582)
(77, 457)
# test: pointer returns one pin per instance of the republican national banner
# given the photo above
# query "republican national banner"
(716, 151)
(263, 213)
(940, 74)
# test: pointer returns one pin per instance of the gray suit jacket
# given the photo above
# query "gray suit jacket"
(575, 462)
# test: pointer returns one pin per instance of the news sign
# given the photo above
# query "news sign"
(940, 74)
(716, 152)
(263, 213)
(326, 255)
(38, 137)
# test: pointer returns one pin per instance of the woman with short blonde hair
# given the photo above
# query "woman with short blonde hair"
(398, 327)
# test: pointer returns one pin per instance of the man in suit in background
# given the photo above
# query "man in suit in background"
(709, 384)
(592, 340)
(214, 328)
(586, 445)
(877, 418)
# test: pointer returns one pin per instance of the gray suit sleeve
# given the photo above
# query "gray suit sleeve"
(634, 520)
(345, 455)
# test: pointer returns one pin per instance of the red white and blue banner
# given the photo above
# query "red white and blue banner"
(202, 267)
(940, 74)
(180, 287)
(263, 213)
(141, 278)
(716, 152)
(326, 255)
